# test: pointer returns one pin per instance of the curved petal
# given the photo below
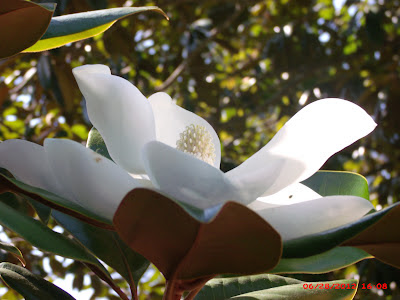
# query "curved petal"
(120, 112)
(295, 193)
(28, 163)
(302, 146)
(186, 178)
(171, 120)
(96, 182)
(304, 218)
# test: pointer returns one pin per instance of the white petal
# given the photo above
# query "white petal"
(184, 177)
(171, 120)
(301, 219)
(96, 182)
(120, 112)
(292, 194)
(28, 163)
(302, 146)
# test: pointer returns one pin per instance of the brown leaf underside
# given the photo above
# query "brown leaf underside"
(237, 240)
(23, 23)
(381, 239)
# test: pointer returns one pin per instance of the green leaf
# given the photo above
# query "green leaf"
(179, 244)
(14, 251)
(323, 241)
(22, 23)
(330, 183)
(53, 201)
(106, 245)
(74, 27)
(96, 143)
(42, 210)
(44, 238)
(29, 285)
(381, 239)
(275, 287)
(222, 288)
(328, 261)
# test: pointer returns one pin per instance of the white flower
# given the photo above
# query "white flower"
(157, 144)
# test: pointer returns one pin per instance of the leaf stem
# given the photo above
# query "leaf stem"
(193, 293)
(107, 279)
(171, 293)
(132, 284)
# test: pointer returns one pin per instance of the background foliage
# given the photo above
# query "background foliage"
(246, 66)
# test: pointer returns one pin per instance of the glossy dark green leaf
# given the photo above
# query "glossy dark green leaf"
(275, 287)
(22, 23)
(330, 183)
(42, 210)
(29, 285)
(382, 239)
(13, 250)
(106, 245)
(96, 143)
(44, 238)
(325, 262)
(74, 27)
(323, 241)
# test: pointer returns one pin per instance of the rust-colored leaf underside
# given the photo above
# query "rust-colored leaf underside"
(22, 23)
(236, 240)
(382, 239)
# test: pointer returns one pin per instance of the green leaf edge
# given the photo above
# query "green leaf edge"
(71, 28)
(323, 241)
(312, 183)
(247, 285)
(38, 288)
(323, 262)
(14, 251)
(309, 294)
(18, 222)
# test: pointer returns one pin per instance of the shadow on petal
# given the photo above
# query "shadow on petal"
(236, 240)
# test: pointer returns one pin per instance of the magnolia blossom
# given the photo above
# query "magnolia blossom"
(158, 145)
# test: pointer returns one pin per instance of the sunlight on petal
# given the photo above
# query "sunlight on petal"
(296, 220)
(302, 146)
(120, 112)
(97, 183)
(186, 178)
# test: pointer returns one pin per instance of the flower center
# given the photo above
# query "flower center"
(197, 141)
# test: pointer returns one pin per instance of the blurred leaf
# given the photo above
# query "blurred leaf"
(331, 260)
(330, 183)
(106, 245)
(44, 238)
(14, 251)
(22, 23)
(80, 130)
(177, 243)
(271, 287)
(74, 27)
(29, 285)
